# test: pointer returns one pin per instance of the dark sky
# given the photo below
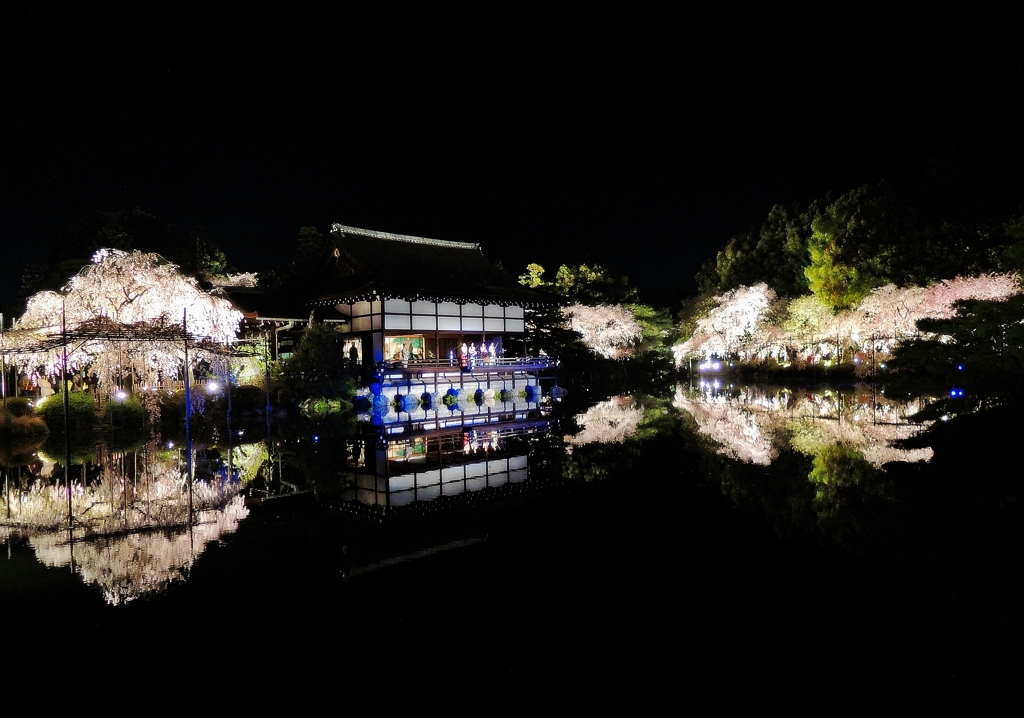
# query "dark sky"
(638, 140)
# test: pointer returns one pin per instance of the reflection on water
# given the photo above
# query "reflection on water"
(137, 524)
(389, 471)
(504, 509)
(752, 424)
(812, 462)
(138, 562)
(133, 522)
(607, 422)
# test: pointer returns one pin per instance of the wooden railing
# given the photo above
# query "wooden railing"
(478, 365)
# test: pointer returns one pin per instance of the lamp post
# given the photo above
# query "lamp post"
(3, 362)
(67, 407)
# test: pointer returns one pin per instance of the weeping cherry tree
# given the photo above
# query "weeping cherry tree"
(123, 313)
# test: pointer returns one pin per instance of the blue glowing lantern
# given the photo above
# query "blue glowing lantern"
(381, 405)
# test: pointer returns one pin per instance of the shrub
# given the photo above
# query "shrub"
(128, 412)
(172, 407)
(19, 406)
(81, 411)
(21, 450)
(13, 425)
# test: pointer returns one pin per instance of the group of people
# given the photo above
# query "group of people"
(40, 385)
(470, 355)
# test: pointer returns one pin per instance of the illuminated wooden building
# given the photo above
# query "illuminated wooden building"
(418, 300)
(410, 304)
(408, 307)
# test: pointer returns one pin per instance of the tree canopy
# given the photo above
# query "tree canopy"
(118, 298)
(584, 283)
(979, 350)
(320, 366)
(307, 251)
(841, 248)
(194, 253)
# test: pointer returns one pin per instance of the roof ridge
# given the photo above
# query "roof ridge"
(403, 237)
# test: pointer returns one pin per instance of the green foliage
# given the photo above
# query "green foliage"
(81, 411)
(774, 253)
(21, 450)
(127, 413)
(583, 283)
(593, 284)
(692, 310)
(852, 499)
(320, 367)
(986, 338)
(82, 447)
(549, 334)
(839, 465)
(321, 407)
(533, 276)
(804, 315)
(308, 247)
(13, 423)
(849, 247)
(589, 285)
(199, 256)
(1010, 258)
(658, 328)
(172, 407)
(842, 248)
(19, 406)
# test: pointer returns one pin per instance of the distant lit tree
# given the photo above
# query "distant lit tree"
(730, 325)
(533, 277)
(748, 319)
(609, 330)
(593, 284)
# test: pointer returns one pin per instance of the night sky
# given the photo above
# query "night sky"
(638, 140)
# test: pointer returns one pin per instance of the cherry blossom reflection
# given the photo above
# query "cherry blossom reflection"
(611, 421)
(135, 531)
(752, 425)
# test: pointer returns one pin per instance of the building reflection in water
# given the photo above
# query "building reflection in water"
(390, 470)
(137, 524)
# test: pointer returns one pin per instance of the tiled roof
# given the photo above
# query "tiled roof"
(359, 263)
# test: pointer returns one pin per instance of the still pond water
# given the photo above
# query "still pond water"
(719, 540)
